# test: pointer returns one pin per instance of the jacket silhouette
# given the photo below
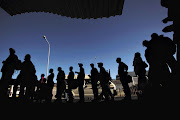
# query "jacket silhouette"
(9, 65)
(140, 71)
(50, 84)
(94, 80)
(27, 77)
(122, 71)
(60, 83)
(80, 78)
(104, 81)
(72, 83)
(159, 54)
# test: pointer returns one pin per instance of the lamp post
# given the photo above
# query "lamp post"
(95, 62)
(48, 54)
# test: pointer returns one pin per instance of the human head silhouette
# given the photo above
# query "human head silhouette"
(59, 68)
(92, 65)
(137, 54)
(118, 60)
(145, 43)
(70, 68)
(11, 51)
(154, 36)
(80, 64)
(27, 57)
(44, 80)
(42, 75)
(100, 64)
(51, 70)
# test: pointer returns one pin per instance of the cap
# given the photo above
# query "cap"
(92, 64)
(12, 50)
(80, 64)
(100, 64)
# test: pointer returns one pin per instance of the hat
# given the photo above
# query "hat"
(80, 64)
(100, 64)
(11, 50)
(92, 64)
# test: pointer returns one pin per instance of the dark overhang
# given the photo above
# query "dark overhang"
(70, 8)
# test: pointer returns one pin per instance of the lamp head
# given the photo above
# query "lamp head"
(44, 37)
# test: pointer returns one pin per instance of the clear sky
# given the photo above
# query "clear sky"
(76, 40)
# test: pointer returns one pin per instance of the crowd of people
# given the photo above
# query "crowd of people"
(159, 54)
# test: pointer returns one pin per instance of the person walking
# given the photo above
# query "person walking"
(94, 80)
(140, 71)
(122, 72)
(80, 78)
(71, 83)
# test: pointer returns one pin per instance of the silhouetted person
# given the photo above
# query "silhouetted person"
(168, 50)
(122, 71)
(60, 84)
(9, 65)
(71, 83)
(41, 81)
(50, 84)
(159, 54)
(43, 91)
(27, 77)
(80, 78)
(108, 77)
(94, 80)
(140, 71)
(104, 81)
(173, 15)
(38, 84)
(42, 78)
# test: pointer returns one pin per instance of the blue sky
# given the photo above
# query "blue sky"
(76, 40)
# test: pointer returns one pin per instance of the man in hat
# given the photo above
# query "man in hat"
(80, 78)
(94, 79)
(122, 71)
(104, 81)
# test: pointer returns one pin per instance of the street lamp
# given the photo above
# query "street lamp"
(48, 54)
(95, 62)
